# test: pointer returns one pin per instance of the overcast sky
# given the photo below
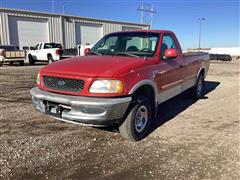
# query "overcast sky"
(220, 29)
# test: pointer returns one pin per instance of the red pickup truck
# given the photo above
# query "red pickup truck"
(121, 80)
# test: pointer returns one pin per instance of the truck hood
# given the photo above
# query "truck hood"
(104, 66)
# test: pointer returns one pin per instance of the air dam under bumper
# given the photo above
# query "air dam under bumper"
(79, 109)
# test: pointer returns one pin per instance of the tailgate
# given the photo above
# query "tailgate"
(15, 54)
(68, 52)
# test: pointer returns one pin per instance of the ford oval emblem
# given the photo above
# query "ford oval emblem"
(61, 83)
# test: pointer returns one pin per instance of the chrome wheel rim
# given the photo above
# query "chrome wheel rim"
(199, 86)
(141, 118)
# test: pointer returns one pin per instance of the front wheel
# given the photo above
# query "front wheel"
(31, 60)
(137, 123)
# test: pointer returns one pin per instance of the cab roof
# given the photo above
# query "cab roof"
(147, 30)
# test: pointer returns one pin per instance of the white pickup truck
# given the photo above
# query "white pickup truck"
(51, 52)
(45, 52)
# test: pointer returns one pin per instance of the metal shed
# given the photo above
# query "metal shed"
(27, 28)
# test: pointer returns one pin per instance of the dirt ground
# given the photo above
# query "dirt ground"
(189, 140)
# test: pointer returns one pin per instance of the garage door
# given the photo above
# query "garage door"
(27, 31)
(88, 33)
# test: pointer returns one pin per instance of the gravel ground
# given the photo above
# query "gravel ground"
(189, 140)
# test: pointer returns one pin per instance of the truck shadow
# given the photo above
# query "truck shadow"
(171, 108)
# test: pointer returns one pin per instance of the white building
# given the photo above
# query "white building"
(26, 28)
(232, 51)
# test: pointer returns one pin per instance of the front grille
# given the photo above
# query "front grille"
(63, 84)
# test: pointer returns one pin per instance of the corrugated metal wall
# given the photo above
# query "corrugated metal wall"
(61, 28)
(69, 28)
(4, 31)
(55, 29)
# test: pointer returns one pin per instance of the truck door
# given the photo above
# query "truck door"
(34, 53)
(40, 54)
(169, 78)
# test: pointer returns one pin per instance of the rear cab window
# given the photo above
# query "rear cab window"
(52, 45)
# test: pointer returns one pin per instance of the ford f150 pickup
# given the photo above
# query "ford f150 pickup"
(121, 81)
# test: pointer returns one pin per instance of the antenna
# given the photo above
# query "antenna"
(147, 8)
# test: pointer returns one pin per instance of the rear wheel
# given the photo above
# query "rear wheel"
(31, 60)
(137, 123)
(21, 63)
(197, 90)
(50, 59)
(11, 62)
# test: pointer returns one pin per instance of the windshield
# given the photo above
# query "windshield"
(135, 44)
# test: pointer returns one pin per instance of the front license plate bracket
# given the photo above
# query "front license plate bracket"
(53, 109)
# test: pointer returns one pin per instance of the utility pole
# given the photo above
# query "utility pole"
(200, 31)
(142, 17)
(63, 9)
(145, 8)
(52, 6)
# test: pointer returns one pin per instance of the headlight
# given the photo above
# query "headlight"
(106, 86)
(38, 79)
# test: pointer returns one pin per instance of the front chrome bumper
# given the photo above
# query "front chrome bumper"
(87, 110)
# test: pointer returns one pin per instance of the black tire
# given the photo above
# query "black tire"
(198, 90)
(50, 59)
(21, 63)
(131, 127)
(31, 60)
(11, 63)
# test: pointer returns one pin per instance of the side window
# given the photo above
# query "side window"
(40, 47)
(167, 42)
(36, 48)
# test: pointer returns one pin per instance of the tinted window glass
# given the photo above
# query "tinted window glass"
(52, 45)
(167, 42)
(36, 47)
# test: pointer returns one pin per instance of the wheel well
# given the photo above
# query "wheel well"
(148, 91)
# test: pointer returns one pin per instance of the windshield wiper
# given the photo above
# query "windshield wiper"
(127, 54)
(96, 53)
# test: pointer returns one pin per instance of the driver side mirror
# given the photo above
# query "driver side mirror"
(170, 53)
(86, 51)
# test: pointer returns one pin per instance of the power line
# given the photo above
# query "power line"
(147, 8)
